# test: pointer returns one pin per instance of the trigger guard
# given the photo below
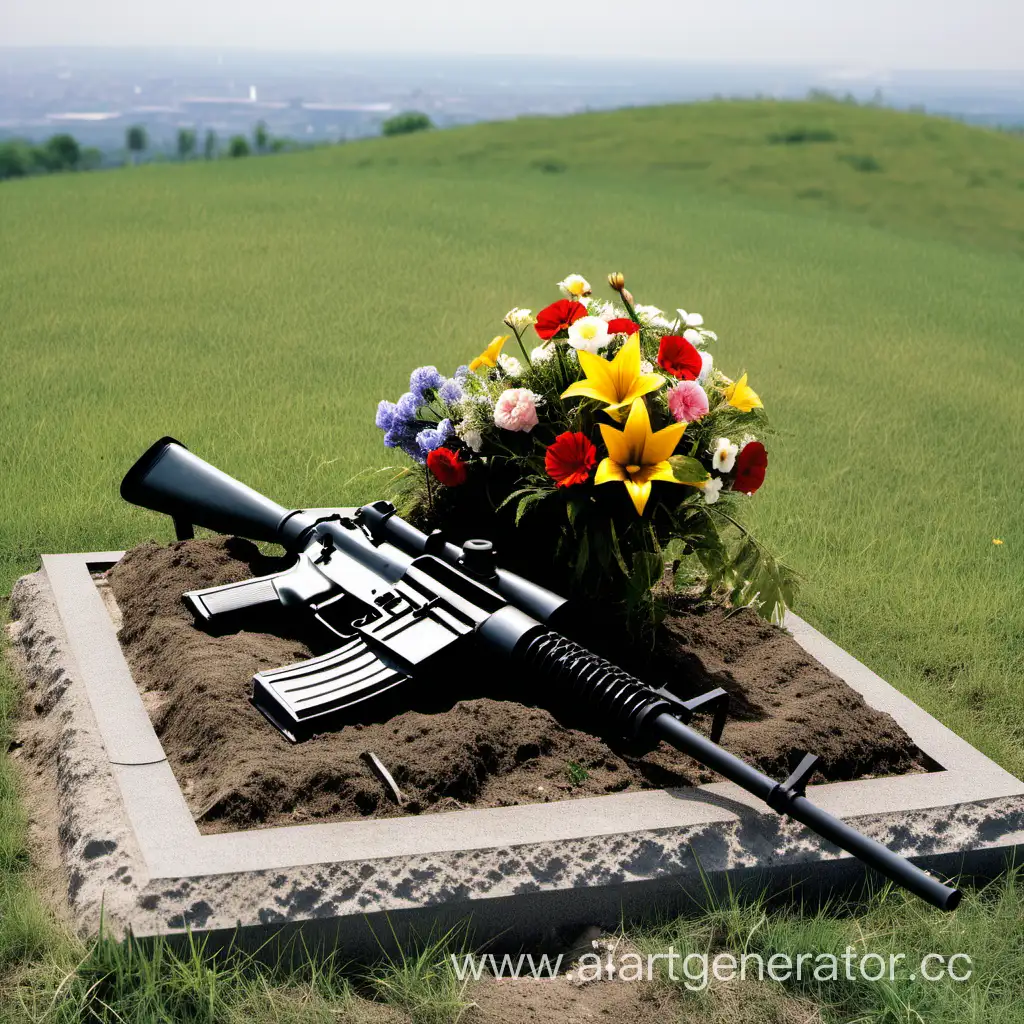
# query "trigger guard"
(344, 629)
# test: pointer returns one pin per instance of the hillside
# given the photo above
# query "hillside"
(258, 309)
(892, 169)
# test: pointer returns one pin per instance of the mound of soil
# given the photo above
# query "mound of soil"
(481, 740)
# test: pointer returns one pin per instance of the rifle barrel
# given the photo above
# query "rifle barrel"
(797, 806)
(625, 702)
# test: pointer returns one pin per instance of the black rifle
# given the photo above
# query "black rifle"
(403, 603)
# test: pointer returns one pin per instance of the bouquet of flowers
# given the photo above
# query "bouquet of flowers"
(607, 444)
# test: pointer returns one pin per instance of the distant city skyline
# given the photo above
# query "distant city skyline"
(871, 34)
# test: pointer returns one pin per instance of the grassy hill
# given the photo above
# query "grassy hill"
(892, 169)
(258, 309)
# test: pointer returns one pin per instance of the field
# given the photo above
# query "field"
(258, 309)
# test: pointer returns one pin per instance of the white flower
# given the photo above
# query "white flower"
(519, 319)
(695, 338)
(690, 319)
(603, 308)
(510, 365)
(646, 366)
(707, 361)
(724, 455)
(747, 438)
(575, 286)
(589, 333)
(712, 489)
(541, 354)
(709, 335)
(652, 316)
(471, 436)
(516, 409)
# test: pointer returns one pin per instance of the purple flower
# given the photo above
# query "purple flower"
(407, 407)
(462, 373)
(386, 412)
(450, 392)
(434, 437)
(403, 436)
(396, 436)
(424, 379)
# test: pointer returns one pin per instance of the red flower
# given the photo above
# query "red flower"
(622, 326)
(751, 464)
(558, 316)
(570, 458)
(447, 467)
(678, 357)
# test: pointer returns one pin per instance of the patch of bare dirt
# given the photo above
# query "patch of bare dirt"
(483, 740)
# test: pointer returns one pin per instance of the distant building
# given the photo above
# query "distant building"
(85, 117)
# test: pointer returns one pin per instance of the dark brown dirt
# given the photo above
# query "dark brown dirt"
(473, 741)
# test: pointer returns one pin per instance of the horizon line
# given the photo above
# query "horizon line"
(722, 63)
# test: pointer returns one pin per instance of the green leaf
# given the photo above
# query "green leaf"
(525, 504)
(687, 470)
(616, 550)
(686, 576)
(648, 567)
(583, 554)
(674, 549)
(515, 494)
(573, 507)
(754, 576)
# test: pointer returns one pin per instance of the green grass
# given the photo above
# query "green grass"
(258, 309)
(988, 929)
(933, 177)
(158, 983)
(112, 982)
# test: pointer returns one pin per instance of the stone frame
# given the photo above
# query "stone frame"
(134, 854)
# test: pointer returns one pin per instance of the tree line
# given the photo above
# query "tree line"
(20, 158)
(62, 152)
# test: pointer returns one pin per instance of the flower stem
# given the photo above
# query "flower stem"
(631, 312)
(522, 347)
(561, 364)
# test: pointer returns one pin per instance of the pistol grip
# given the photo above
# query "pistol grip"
(233, 597)
(299, 584)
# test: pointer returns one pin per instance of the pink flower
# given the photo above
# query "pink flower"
(687, 401)
(516, 409)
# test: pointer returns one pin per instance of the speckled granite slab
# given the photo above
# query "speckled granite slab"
(132, 848)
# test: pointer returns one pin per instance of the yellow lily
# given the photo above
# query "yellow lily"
(489, 356)
(740, 396)
(618, 382)
(637, 456)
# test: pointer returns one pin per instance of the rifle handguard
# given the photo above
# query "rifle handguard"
(593, 681)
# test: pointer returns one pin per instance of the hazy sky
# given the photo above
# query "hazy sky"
(973, 34)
